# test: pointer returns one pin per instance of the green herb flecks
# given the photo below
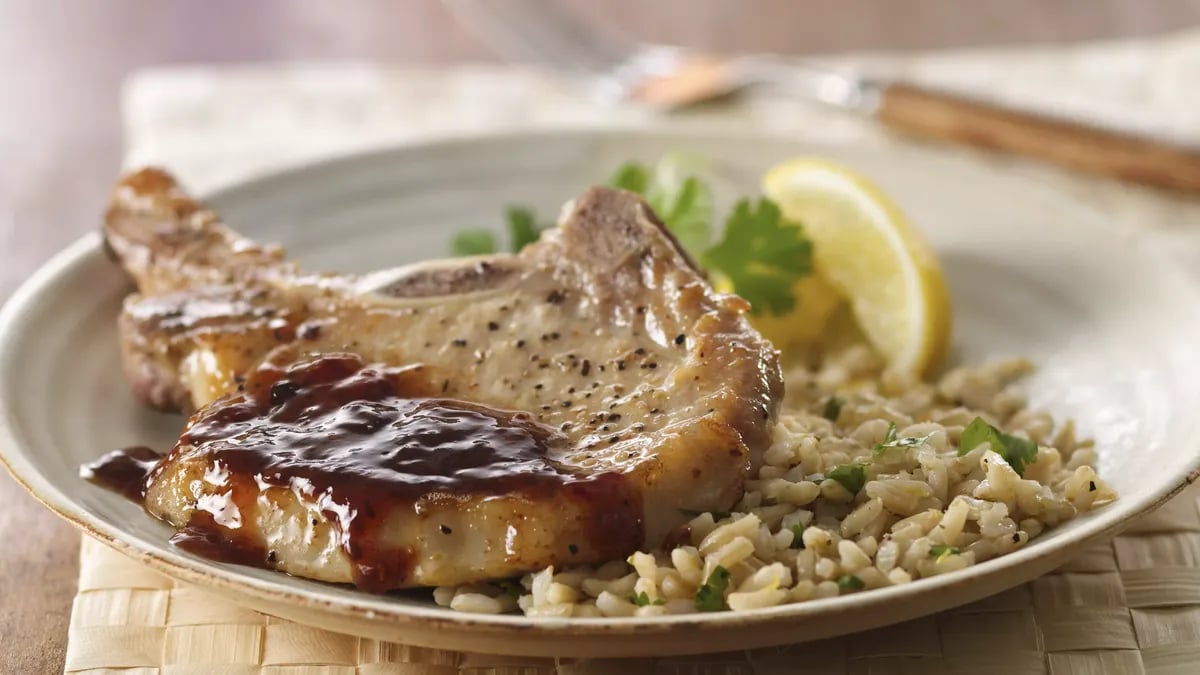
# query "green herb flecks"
(890, 441)
(798, 536)
(852, 476)
(1018, 452)
(642, 600)
(942, 551)
(710, 597)
(833, 408)
(850, 582)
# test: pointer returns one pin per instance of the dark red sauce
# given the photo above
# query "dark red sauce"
(363, 443)
(124, 471)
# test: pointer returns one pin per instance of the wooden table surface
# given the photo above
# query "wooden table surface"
(61, 63)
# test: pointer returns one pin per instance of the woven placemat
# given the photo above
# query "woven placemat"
(1127, 607)
(1130, 606)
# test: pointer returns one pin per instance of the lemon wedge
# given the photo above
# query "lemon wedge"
(866, 250)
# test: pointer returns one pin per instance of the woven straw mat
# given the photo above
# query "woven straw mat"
(1128, 606)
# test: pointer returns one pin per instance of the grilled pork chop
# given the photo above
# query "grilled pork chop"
(446, 422)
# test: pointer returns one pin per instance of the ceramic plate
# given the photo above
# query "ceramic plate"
(1032, 273)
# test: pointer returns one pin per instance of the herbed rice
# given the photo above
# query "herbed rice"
(798, 534)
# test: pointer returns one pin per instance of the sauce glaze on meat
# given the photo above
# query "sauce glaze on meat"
(361, 441)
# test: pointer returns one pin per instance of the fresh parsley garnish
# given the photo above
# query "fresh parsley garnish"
(682, 201)
(632, 176)
(798, 536)
(850, 582)
(833, 408)
(1018, 452)
(890, 441)
(642, 600)
(710, 597)
(852, 476)
(759, 253)
(763, 255)
(523, 227)
(942, 551)
(473, 242)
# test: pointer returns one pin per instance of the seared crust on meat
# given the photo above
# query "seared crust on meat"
(603, 331)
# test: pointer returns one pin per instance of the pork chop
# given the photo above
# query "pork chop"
(446, 422)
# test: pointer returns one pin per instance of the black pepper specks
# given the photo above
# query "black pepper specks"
(459, 342)
(444, 529)
(520, 344)
(680, 339)
(271, 556)
(555, 297)
(573, 549)
(586, 368)
(1091, 486)
(566, 404)
(492, 325)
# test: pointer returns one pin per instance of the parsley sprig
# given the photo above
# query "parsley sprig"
(683, 202)
(761, 253)
(522, 225)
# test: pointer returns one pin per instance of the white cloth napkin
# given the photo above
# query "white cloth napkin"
(215, 125)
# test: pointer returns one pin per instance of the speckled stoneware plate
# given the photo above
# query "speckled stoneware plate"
(1032, 272)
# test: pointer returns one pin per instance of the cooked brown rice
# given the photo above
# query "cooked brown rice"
(799, 534)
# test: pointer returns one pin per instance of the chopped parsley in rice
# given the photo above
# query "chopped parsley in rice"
(871, 480)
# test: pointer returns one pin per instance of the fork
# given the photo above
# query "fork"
(613, 68)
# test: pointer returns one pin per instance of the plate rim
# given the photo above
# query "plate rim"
(378, 608)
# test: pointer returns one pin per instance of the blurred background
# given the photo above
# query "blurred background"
(62, 63)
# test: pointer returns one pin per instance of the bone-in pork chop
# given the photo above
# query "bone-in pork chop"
(443, 423)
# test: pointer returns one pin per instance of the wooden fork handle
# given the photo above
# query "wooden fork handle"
(948, 117)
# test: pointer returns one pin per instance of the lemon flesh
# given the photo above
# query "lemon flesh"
(869, 253)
